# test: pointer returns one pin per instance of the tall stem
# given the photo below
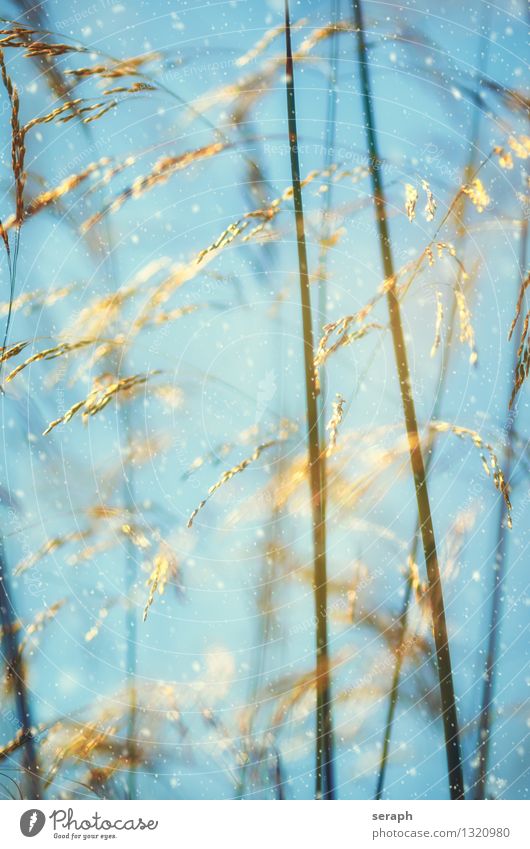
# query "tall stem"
(17, 676)
(441, 384)
(325, 785)
(499, 572)
(329, 156)
(449, 712)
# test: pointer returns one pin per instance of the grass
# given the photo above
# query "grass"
(441, 384)
(449, 711)
(137, 735)
(324, 761)
(499, 577)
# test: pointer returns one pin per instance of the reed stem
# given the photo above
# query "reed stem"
(325, 785)
(499, 573)
(440, 393)
(449, 712)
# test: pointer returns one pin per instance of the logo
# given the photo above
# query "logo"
(32, 822)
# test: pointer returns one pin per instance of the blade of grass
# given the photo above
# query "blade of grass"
(499, 573)
(449, 712)
(325, 786)
(441, 383)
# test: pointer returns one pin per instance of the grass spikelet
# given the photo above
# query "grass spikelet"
(490, 463)
(524, 286)
(50, 354)
(165, 567)
(442, 247)
(103, 392)
(136, 535)
(131, 89)
(430, 205)
(18, 153)
(121, 68)
(79, 745)
(49, 547)
(411, 199)
(89, 552)
(41, 48)
(438, 325)
(339, 327)
(244, 437)
(68, 106)
(504, 157)
(67, 185)
(230, 473)
(320, 34)
(265, 215)
(477, 194)
(70, 413)
(97, 318)
(18, 146)
(245, 92)
(334, 423)
(16, 31)
(260, 46)
(102, 108)
(171, 315)
(38, 298)
(109, 173)
(13, 351)
(419, 587)
(19, 740)
(4, 237)
(160, 173)
(39, 623)
(520, 146)
(522, 366)
(467, 334)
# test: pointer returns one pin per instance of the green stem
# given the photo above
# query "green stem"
(325, 788)
(499, 571)
(459, 210)
(449, 712)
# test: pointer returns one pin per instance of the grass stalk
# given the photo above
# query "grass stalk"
(449, 712)
(441, 385)
(17, 677)
(324, 785)
(131, 629)
(499, 573)
(331, 125)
